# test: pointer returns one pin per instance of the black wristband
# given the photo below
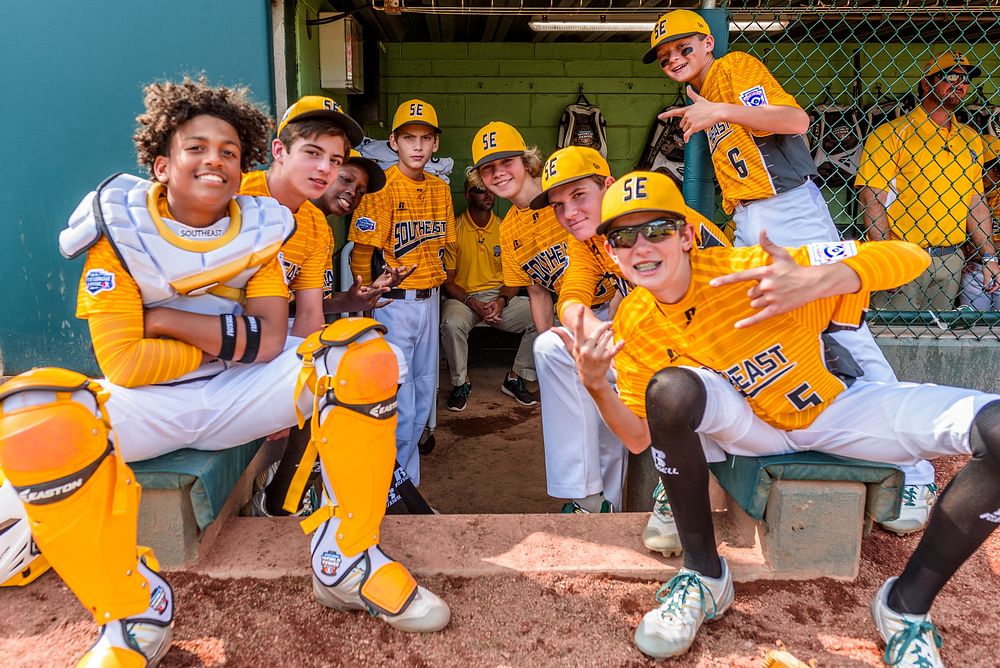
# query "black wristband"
(253, 339)
(506, 300)
(228, 324)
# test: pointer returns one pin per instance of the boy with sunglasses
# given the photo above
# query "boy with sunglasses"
(697, 381)
(921, 180)
(573, 182)
(765, 171)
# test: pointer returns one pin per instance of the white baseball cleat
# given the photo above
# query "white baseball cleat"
(425, 612)
(911, 641)
(660, 534)
(686, 601)
(915, 511)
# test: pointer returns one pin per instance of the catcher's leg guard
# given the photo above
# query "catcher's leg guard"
(353, 373)
(80, 496)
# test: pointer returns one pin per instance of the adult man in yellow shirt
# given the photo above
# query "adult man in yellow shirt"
(921, 181)
(475, 293)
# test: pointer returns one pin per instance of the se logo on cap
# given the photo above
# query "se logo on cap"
(416, 109)
(489, 141)
(634, 188)
(550, 168)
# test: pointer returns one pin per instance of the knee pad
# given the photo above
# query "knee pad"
(984, 437)
(676, 396)
(81, 497)
(352, 373)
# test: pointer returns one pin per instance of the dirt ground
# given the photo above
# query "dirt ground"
(489, 459)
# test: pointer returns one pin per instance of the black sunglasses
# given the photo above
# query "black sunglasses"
(653, 231)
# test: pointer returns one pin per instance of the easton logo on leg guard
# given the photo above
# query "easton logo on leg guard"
(382, 410)
(329, 562)
(56, 490)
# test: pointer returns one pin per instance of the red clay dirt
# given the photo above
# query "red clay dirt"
(541, 620)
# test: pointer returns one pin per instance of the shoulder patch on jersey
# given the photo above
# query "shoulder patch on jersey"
(754, 97)
(831, 251)
(99, 280)
(365, 224)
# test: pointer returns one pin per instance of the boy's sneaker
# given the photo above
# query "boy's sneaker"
(660, 534)
(911, 641)
(258, 502)
(574, 508)
(915, 511)
(459, 397)
(685, 602)
(516, 388)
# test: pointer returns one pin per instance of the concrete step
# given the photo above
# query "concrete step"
(480, 546)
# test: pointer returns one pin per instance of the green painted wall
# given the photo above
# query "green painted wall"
(72, 90)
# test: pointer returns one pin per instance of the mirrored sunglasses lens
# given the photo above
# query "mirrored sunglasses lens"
(624, 238)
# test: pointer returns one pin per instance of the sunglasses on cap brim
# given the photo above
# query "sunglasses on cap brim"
(653, 231)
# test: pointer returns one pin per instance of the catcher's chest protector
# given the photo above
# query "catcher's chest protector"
(200, 270)
(835, 142)
(583, 124)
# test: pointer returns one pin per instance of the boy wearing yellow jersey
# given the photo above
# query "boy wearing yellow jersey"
(763, 166)
(584, 462)
(707, 366)
(409, 221)
(188, 309)
(573, 182)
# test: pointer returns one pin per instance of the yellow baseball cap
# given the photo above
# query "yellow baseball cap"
(640, 192)
(495, 141)
(674, 25)
(415, 112)
(567, 165)
(944, 62)
(376, 177)
(317, 106)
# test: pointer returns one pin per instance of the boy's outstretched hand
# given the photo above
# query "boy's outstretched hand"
(698, 116)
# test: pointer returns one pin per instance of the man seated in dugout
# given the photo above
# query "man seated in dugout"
(696, 382)
(188, 310)
(475, 292)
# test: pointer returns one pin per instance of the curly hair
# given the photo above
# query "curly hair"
(170, 104)
(531, 159)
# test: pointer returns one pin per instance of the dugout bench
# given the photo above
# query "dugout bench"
(808, 511)
(188, 494)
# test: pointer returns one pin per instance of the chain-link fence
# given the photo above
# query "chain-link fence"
(883, 83)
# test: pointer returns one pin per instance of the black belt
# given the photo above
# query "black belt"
(941, 251)
(423, 293)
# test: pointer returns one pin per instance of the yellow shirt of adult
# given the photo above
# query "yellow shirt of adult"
(751, 164)
(411, 221)
(778, 364)
(533, 247)
(589, 263)
(934, 172)
(475, 254)
(307, 256)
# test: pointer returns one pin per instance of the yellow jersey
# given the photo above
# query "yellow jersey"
(534, 250)
(778, 364)
(307, 255)
(931, 173)
(411, 221)
(750, 164)
(475, 254)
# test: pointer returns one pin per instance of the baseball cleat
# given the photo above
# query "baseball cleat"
(915, 511)
(459, 397)
(911, 641)
(424, 613)
(515, 387)
(686, 601)
(574, 508)
(660, 534)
